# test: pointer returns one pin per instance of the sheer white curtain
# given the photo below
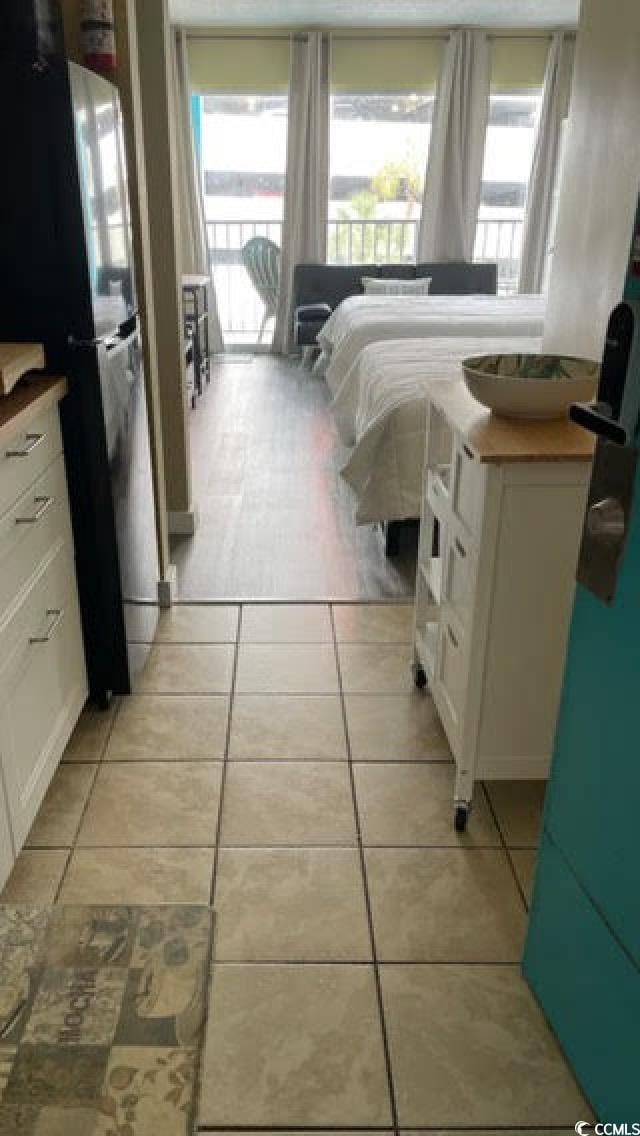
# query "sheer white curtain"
(456, 153)
(555, 104)
(192, 230)
(304, 232)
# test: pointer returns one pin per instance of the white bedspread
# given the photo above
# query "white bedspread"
(393, 378)
(361, 320)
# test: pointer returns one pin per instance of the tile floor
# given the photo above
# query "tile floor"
(277, 761)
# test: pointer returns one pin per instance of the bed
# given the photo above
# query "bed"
(392, 379)
(361, 320)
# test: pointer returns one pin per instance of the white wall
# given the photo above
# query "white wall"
(601, 179)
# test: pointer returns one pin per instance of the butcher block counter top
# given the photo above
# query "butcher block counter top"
(15, 360)
(496, 439)
(27, 400)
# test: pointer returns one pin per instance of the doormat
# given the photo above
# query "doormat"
(102, 1016)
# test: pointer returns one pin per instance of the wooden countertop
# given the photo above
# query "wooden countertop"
(15, 360)
(496, 439)
(27, 400)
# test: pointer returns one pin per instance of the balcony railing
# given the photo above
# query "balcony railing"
(386, 241)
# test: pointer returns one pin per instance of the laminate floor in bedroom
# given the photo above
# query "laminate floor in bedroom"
(276, 519)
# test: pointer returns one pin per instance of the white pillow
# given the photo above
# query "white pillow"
(387, 286)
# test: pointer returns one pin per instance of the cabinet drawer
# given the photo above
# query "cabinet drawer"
(42, 687)
(27, 455)
(451, 675)
(467, 488)
(29, 531)
(459, 576)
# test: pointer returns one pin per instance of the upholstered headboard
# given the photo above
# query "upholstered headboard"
(332, 283)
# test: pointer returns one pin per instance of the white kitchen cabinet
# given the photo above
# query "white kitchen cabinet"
(43, 682)
(502, 512)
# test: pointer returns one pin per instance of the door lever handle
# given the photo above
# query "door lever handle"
(596, 418)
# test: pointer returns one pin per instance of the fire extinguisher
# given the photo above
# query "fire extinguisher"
(98, 36)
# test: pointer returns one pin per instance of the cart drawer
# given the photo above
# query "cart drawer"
(451, 675)
(467, 489)
(437, 496)
(459, 576)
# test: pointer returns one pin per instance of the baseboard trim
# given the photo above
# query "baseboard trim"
(168, 587)
(183, 522)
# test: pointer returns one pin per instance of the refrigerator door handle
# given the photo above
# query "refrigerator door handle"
(73, 342)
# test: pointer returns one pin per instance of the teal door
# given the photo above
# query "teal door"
(582, 956)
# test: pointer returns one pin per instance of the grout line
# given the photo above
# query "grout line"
(56, 894)
(505, 847)
(83, 813)
(225, 763)
(514, 964)
(377, 1128)
(367, 897)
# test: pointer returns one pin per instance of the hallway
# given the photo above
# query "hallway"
(277, 762)
(276, 519)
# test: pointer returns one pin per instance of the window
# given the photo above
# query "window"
(505, 178)
(379, 147)
(242, 145)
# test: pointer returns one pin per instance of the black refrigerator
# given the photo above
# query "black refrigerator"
(67, 280)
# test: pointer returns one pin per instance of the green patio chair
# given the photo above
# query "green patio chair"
(261, 258)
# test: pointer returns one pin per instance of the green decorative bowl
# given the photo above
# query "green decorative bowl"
(531, 386)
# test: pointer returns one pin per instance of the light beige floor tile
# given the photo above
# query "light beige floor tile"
(294, 1046)
(469, 1046)
(290, 905)
(286, 669)
(524, 862)
(413, 804)
(445, 905)
(35, 877)
(287, 802)
(375, 669)
(373, 623)
(59, 815)
(138, 875)
(286, 623)
(401, 727)
(518, 807)
(153, 803)
(180, 669)
(179, 727)
(89, 738)
(198, 623)
(479, 1132)
(287, 726)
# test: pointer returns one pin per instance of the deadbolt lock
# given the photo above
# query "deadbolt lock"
(606, 520)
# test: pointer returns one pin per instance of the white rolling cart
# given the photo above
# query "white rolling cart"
(502, 513)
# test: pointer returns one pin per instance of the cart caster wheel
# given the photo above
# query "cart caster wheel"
(419, 676)
(460, 818)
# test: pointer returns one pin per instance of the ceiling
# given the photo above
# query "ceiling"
(376, 13)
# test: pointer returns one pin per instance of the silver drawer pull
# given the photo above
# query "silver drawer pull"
(33, 440)
(452, 637)
(459, 549)
(55, 616)
(44, 504)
